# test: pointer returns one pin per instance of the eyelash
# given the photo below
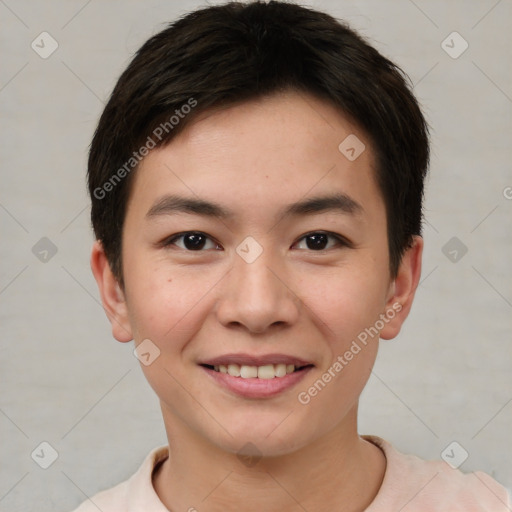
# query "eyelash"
(342, 242)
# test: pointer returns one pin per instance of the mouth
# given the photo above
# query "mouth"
(267, 371)
(256, 377)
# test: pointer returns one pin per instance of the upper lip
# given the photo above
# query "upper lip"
(251, 360)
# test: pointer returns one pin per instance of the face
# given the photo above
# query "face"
(252, 244)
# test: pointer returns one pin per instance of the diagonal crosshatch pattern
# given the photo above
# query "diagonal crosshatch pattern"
(73, 399)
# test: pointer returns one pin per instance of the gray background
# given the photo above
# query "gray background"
(67, 382)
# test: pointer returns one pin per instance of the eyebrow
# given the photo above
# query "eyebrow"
(338, 202)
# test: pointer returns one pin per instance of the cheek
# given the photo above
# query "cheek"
(344, 305)
(344, 301)
(165, 302)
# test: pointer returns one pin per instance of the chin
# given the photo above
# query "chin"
(254, 437)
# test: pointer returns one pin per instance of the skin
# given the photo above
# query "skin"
(256, 158)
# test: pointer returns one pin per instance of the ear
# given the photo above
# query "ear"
(112, 296)
(402, 289)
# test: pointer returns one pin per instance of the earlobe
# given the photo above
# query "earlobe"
(112, 296)
(403, 289)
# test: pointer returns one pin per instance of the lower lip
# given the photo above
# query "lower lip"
(254, 387)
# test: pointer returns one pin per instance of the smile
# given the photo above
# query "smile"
(267, 371)
(256, 377)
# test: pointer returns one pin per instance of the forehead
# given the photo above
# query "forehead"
(269, 151)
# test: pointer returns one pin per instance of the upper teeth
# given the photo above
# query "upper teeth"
(268, 371)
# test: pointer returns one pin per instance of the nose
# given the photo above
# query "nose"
(257, 296)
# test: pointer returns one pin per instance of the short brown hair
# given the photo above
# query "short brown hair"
(221, 55)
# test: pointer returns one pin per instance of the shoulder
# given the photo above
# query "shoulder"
(412, 484)
(136, 493)
(109, 500)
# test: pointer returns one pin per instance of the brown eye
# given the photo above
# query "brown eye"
(191, 241)
(194, 241)
(319, 241)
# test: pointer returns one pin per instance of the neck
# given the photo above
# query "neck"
(340, 468)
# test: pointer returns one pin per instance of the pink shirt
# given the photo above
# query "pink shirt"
(410, 485)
